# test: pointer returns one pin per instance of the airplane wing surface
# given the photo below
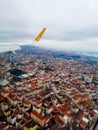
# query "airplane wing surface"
(9, 47)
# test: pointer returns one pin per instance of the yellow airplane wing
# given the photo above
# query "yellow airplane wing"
(38, 37)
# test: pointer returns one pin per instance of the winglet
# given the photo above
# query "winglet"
(38, 37)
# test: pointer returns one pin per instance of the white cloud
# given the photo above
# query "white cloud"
(90, 44)
(67, 21)
(92, 4)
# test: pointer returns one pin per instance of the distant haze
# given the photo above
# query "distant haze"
(71, 24)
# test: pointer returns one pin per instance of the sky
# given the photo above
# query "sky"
(71, 24)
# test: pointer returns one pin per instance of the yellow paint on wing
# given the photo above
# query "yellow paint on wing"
(38, 37)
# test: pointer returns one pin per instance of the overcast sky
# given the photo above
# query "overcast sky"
(71, 24)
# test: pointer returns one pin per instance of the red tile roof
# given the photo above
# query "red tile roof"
(27, 102)
(38, 115)
(10, 128)
(83, 124)
(60, 121)
(80, 116)
(11, 96)
(3, 125)
(16, 112)
(1, 98)
(39, 102)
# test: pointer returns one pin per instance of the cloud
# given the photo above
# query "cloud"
(85, 45)
(92, 4)
(66, 20)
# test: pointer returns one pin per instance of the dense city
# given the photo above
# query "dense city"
(47, 93)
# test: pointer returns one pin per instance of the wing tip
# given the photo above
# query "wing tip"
(38, 37)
